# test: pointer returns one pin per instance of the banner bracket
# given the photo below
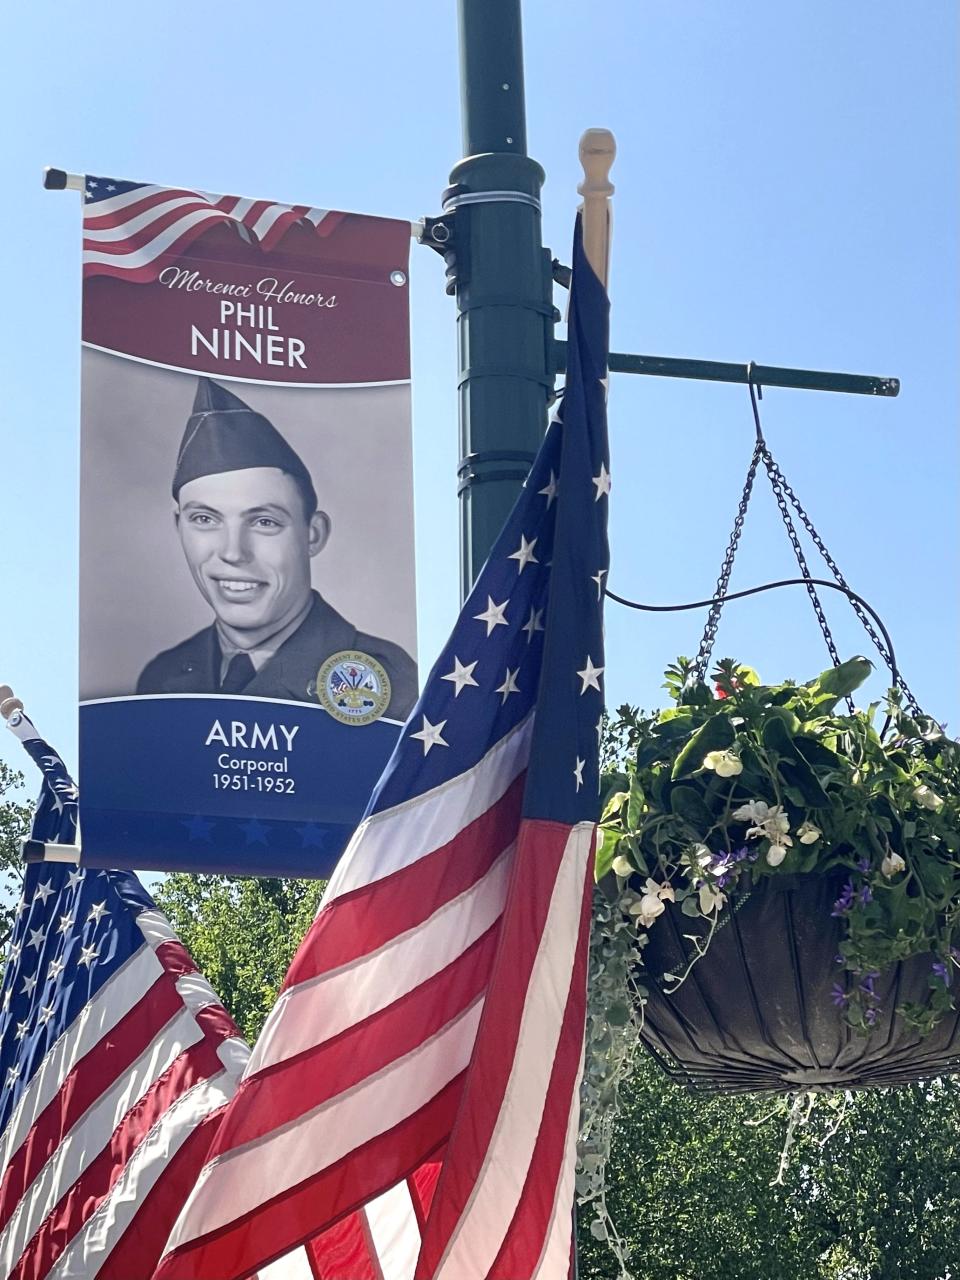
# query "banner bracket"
(38, 851)
(60, 180)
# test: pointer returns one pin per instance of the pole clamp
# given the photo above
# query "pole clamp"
(541, 308)
(469, 477)
(453, 202)
(440, 234)
(504, 371)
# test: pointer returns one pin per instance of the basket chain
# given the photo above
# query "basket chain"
(785, 494)
(841, 581)
(702, 661)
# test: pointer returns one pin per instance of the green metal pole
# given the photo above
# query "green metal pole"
(505, 313)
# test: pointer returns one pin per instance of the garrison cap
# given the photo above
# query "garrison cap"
(224, 434)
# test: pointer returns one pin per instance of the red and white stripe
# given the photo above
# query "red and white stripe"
(128, 235)
(436, 1005)
(118, 1121)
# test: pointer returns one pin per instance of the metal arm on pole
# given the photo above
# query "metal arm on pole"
(763, 375)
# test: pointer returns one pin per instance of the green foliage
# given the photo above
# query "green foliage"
(764, 780)
(690, 1186)
(14, 827)
(242, 934)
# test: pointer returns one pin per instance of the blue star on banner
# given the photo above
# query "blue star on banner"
(198, 828)
(254, 831)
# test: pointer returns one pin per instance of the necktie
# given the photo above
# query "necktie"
(239, 673)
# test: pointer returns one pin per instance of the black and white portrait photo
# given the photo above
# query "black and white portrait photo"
(237, 536)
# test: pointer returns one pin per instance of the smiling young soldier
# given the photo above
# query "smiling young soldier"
(249, 525)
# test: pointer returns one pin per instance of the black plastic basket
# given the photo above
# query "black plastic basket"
(756, 1014)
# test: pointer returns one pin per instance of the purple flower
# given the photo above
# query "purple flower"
(838, 959)
(865, 895)
(741, 855)
(845, 901)
(838, 995)
(940, 969)
(864, 865)
(870, 1016)
(867, 984)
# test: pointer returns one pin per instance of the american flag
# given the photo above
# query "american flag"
(116, 1059)
(414, 1094)
(128, 227)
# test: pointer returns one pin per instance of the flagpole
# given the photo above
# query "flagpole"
(502, 277)
(598, 150)
(35, 850)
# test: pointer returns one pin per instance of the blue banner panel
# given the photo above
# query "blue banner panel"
(247, 592)
(237, 785)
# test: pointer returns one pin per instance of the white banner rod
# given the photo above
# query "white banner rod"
(60, 180)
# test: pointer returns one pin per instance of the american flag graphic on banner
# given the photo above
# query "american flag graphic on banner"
(128, 227)
(116, 1059)
(414, 1094)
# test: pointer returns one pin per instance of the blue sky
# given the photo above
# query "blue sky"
(786, 192)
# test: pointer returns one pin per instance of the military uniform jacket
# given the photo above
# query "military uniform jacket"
(291, 673)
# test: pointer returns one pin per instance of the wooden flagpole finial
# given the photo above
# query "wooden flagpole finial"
(8, 702)
(598, 148)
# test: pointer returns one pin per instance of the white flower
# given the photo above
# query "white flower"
(660, 890)
(647, 909)
(710, 899)
(777, 820)
(774, 831)
(726, 763)
(753, 811)
(776, 854)
(927, 799)
(807, 833)
(622, 866)
(891, 864)
(770, 823)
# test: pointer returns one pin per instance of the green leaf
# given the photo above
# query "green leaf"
(816, 754)
(797, 773)
(634, 805)
(807, 860)
(618, 1015)
(606, 852)
(715, 735)
(613, 805)
(839, 681)
(687, 803)
(935, 876)
(777, 737)
(790, 720)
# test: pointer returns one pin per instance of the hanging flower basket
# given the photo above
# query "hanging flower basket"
(793, 871)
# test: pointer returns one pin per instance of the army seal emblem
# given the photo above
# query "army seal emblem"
(353, 687)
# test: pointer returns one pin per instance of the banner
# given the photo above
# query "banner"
(247, 594)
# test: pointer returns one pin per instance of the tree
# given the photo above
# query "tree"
(877, 1200)
(242, 934)
(14, 826)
